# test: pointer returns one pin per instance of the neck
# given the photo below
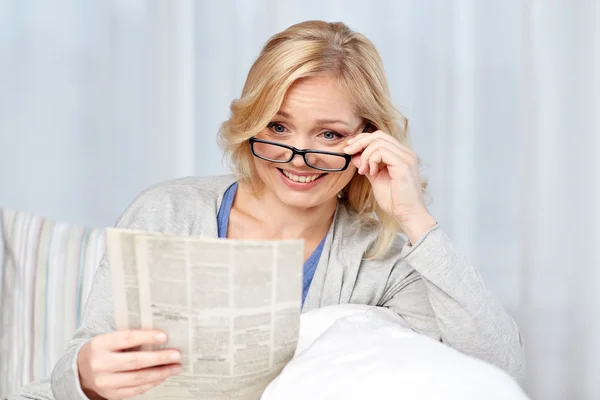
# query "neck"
(280, 220)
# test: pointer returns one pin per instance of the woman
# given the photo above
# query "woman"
(316, 86)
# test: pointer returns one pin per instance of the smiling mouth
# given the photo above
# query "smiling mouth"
(301, 179)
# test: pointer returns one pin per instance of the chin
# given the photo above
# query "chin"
(301, 201)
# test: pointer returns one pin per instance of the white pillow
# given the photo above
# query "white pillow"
(364, 352)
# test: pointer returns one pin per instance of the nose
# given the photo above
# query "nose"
(298, 160)
(301, 143)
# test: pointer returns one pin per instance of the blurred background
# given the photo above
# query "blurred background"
(100, 99)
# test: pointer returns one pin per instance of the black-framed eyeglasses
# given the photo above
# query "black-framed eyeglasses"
(327, 161)
(281, 153)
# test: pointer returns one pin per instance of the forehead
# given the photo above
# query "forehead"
(318, 97)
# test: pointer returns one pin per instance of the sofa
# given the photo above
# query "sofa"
(46, 272)
(359, 351)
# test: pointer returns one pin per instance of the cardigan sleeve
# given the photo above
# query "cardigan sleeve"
(463, 312)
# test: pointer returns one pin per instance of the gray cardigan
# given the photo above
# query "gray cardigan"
(429, 284)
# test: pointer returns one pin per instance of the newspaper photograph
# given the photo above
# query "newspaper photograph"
(231, 307)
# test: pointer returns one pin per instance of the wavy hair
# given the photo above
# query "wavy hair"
(316, 48)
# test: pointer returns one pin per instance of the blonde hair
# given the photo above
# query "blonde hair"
(314, 48)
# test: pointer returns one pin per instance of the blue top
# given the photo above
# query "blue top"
(310, 266)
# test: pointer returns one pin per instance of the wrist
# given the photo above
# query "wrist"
(415, 227)
(83, 384)
(85, 388)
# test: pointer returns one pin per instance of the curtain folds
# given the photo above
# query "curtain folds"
(100, 99)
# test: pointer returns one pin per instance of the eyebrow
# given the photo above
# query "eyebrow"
(319, 121)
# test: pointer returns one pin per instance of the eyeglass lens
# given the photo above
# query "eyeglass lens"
(281, 154)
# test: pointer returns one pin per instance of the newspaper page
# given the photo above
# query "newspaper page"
(231, 307)
(124, 273)
(123, 266)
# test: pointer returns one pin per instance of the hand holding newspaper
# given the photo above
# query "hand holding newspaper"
(232, 307)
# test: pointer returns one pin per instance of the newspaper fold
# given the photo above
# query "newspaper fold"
(232, 307)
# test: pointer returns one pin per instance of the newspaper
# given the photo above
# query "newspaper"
(232, 307)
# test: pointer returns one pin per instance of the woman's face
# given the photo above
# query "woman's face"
(315, 115)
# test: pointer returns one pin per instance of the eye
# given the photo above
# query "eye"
(277, 128)
(330, 135)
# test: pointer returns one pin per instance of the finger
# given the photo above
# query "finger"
(402, 170)
(125, 393)
(384, 155)
(360, 142)
(136, 360)
(407, 157)
(144, 376)
(122, 340)
(132, 392)
(372, 149)
(364, 161)
(356, 160)
(376, 162)
(363, 135)
(365, 139)
(365, 157)
(373, 167)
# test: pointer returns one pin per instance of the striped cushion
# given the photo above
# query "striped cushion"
(46, 275)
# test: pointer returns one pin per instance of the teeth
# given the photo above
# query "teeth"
(302, 179)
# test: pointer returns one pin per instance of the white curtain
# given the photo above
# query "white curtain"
(99, 99)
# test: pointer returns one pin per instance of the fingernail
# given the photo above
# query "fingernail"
(175, 356)
(175, 370)
(160, 337)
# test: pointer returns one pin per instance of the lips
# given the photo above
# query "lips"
(301, 178)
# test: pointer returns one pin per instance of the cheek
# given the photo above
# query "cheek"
(344, 178)
(261, 166)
